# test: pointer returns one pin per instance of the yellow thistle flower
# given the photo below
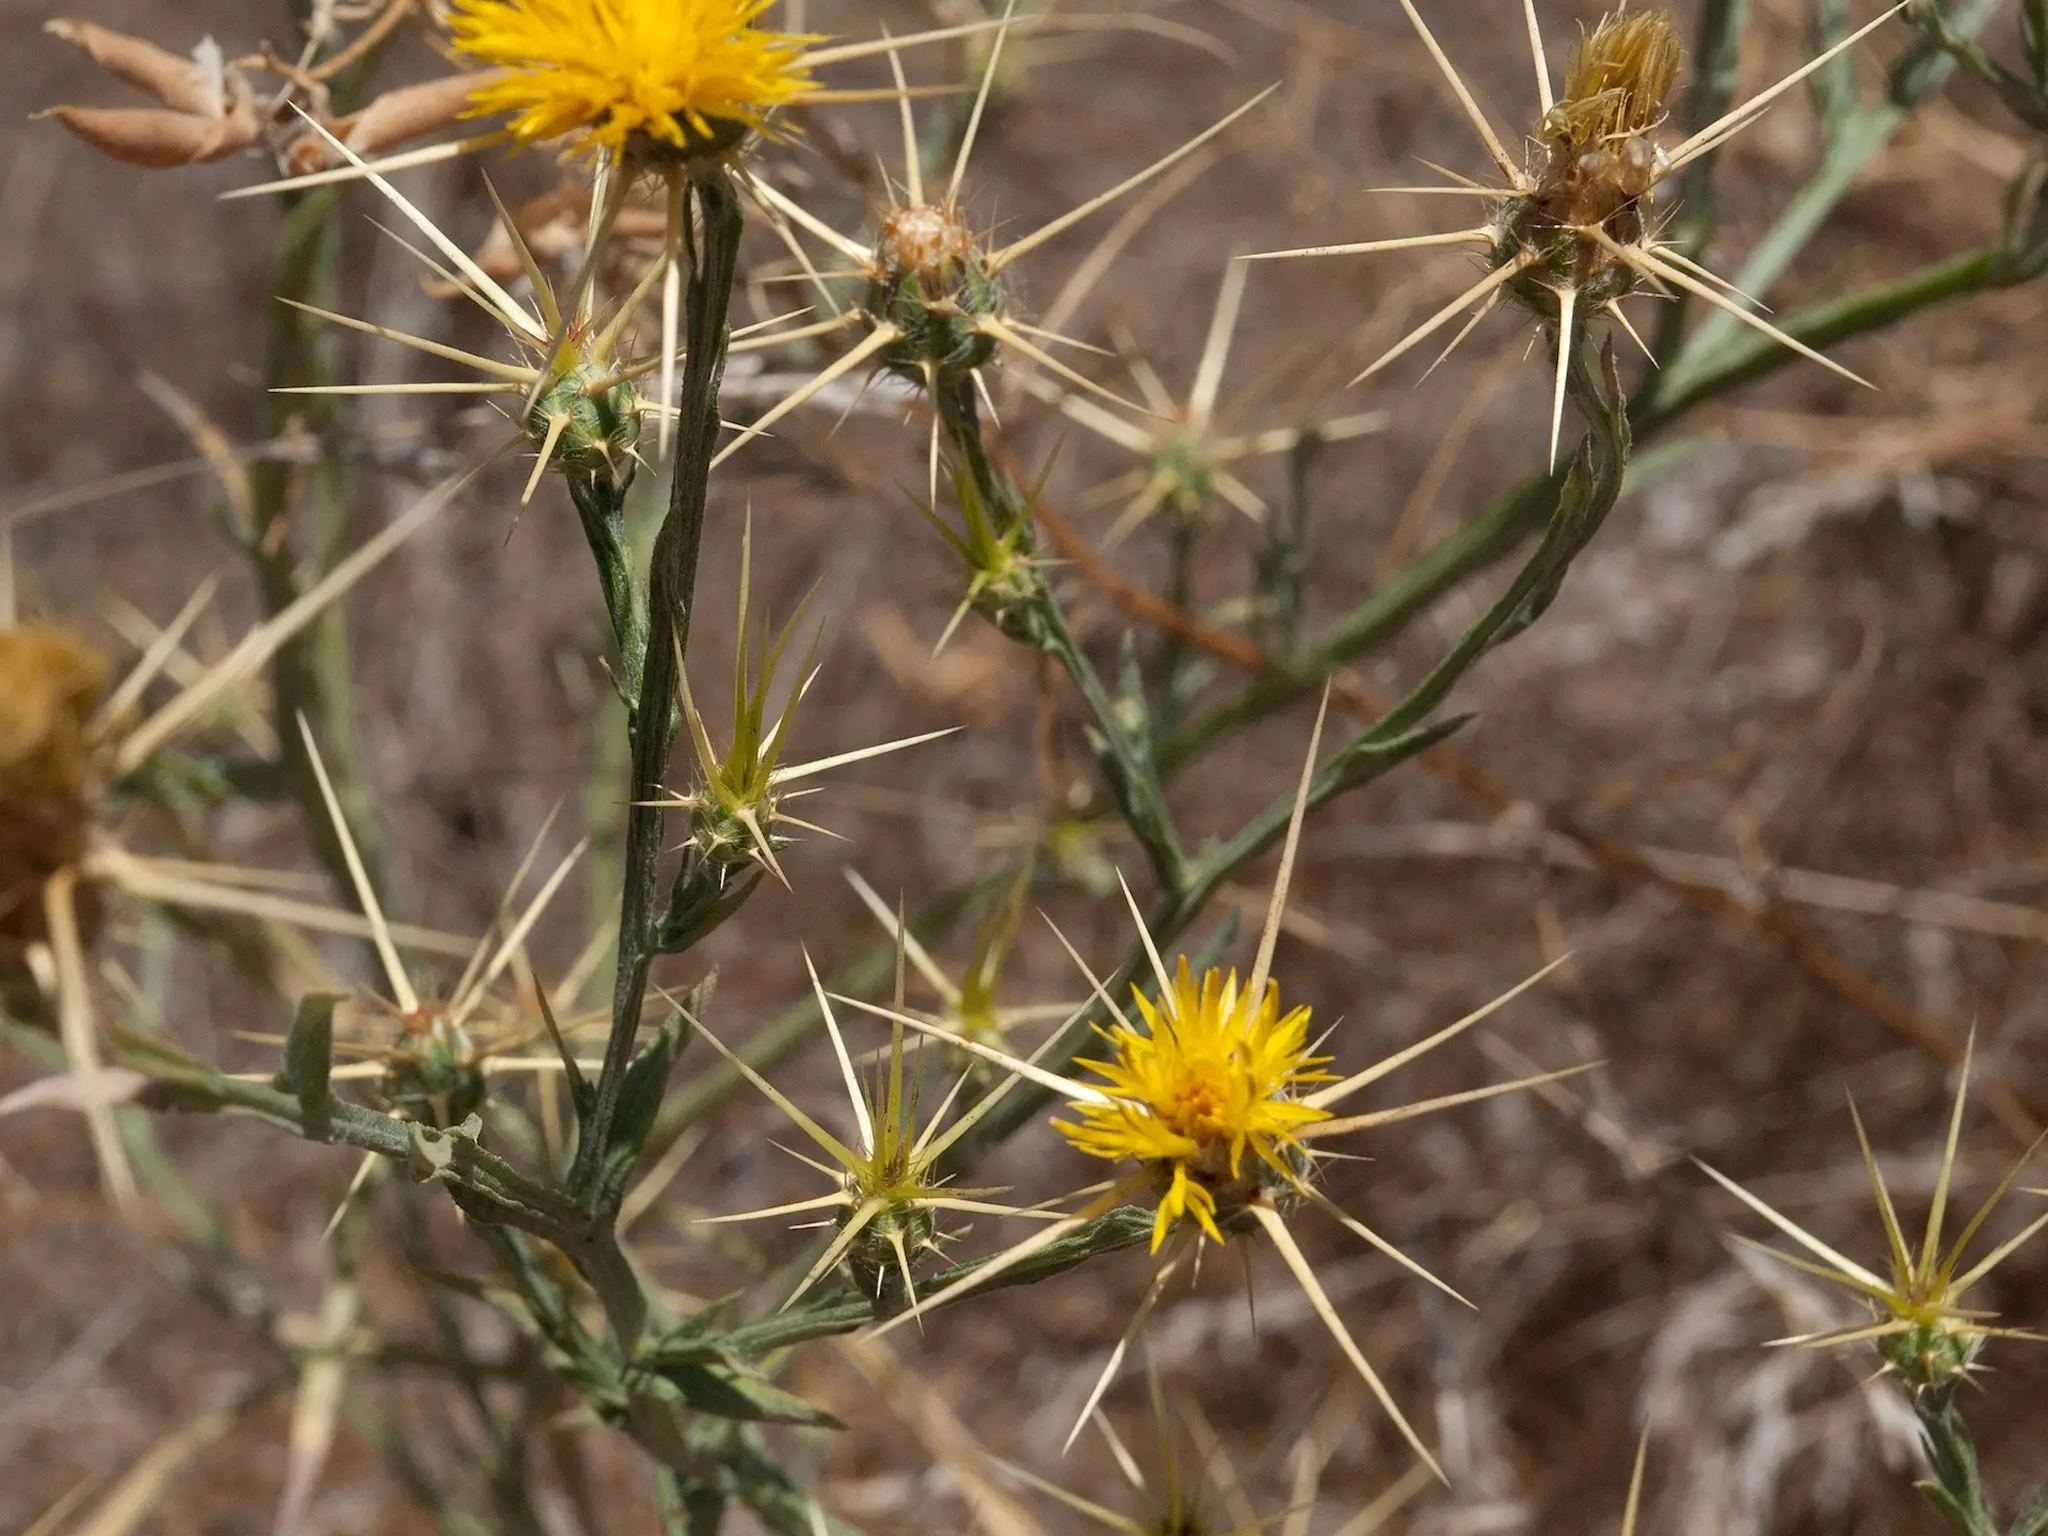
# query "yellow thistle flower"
(1919, 1323)
(688, 74)
(1216, 1072)
(1212, 1076)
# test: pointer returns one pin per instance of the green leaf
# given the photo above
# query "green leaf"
(729, 1394)
(582, 1094)
(640, 1096)
(309, 1062)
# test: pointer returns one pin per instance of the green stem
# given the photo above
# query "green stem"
(1121, 738)
(1589, 494)
(310, 674)
(1510, 519)
(1956, 1489)
(671, 601)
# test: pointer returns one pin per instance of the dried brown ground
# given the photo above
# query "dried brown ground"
(1815, 644)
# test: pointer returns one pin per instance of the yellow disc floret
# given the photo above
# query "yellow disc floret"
(686, 74)
(1212, 1076)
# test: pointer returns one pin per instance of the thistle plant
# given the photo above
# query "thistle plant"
(1210, 1100)
(1923, 1333)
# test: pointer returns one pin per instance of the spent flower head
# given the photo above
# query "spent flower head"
(51, 684)
(891, 1194)
(1214, 1100)
(1574, 231)
(740, 799)
(1186, 459)
(971, 1007)
(432, 1057)
(1919, 1323)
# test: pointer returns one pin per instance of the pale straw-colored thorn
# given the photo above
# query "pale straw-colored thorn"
(1635, 1483)
(1017, 341)
(1336, 1093)
(899, 933)
(1159, 971)
(790, 208)
(876, 341)
(1544, 98)
(1477, 118)
(358, 169)
(508, 309)
(380, 931)
(1651, 266)
(1368, 247)
(608, 203)
(1738, 117)
(1673, 254)
(1421, 1107)
(1170, 1261)
(981, 96)
(1023, 1068)
(853, 1089)
(1621, 318)
(1847, 1268)
(543, 291)
(1496, 279)
(1567, 308)
(1305, 1276)
(79, 1033)
(1215, 356)
(156, 657)
(847, 52)
(519, 373)
(558, 423)
(466, 1003)
(857, 755)
(1269, 936)
(1373, 1239)
(1094, 982)
(1059, 226)
(913, 167)
(826, 1141)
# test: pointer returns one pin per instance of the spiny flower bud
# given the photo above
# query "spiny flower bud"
(587, 419)
(930, 281)
(434, 1071)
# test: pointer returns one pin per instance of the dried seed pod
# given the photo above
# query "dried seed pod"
(156, 138)
(207, 112)
(395, 117)
(189, 83)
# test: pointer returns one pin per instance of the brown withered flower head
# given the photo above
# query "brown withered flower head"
(212, 106)
(1575, 230)
(50, 684)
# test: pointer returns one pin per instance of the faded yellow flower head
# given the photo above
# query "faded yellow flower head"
(688, 74)
(1618, 81)
(1213, 1076)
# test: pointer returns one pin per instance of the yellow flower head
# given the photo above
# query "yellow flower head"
(686, 73)
(1213, 1075)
